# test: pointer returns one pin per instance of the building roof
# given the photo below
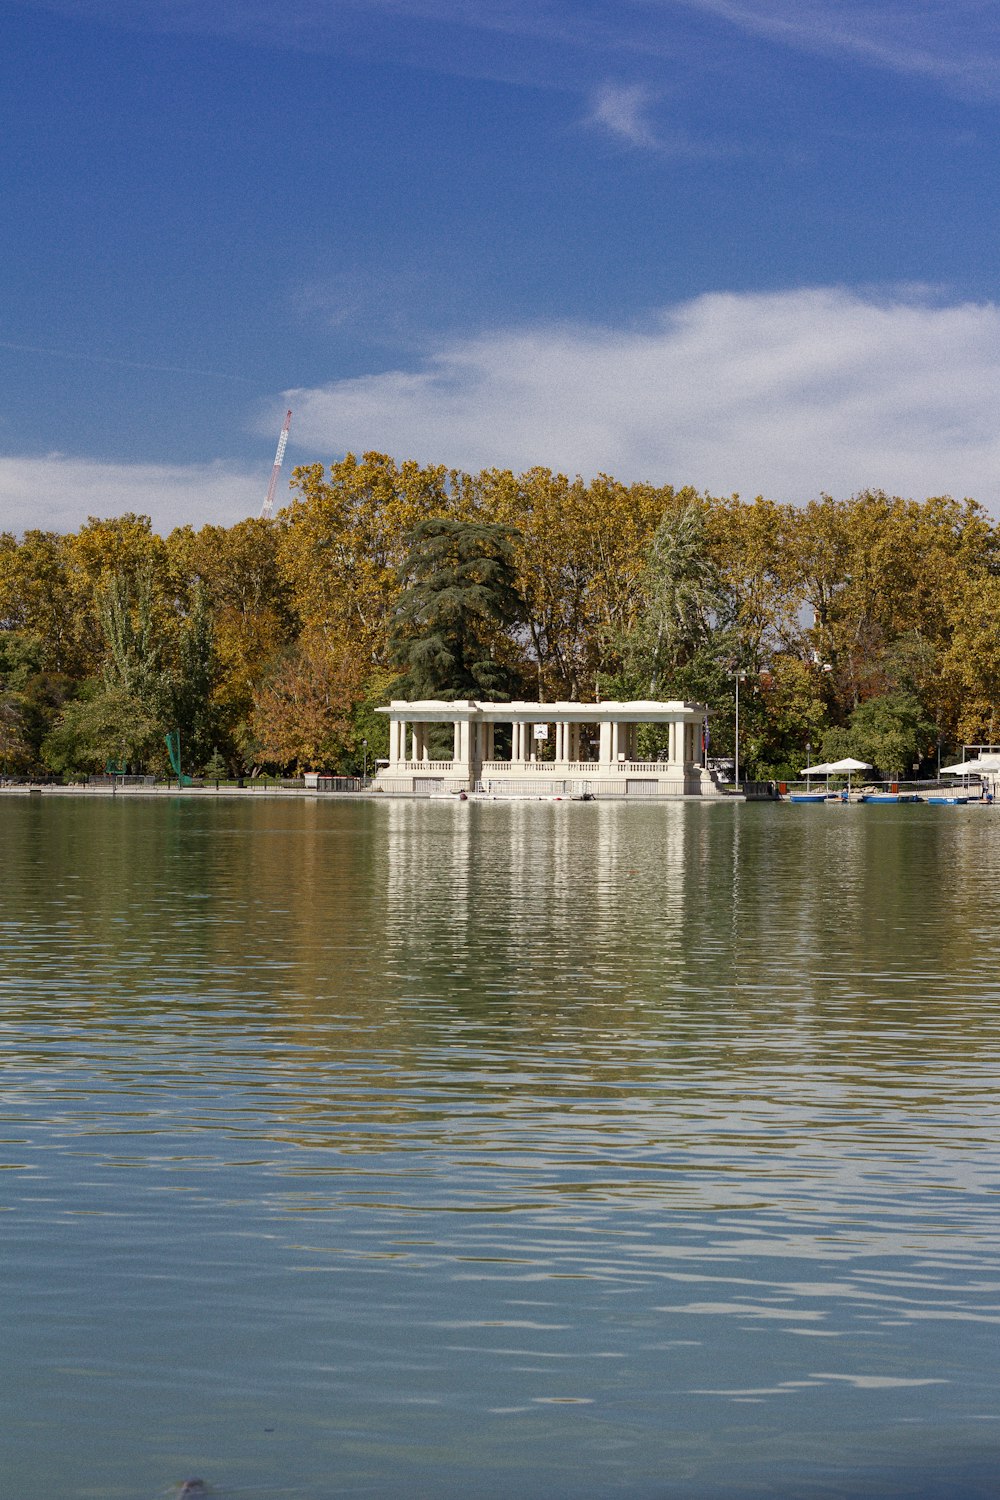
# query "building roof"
(635, 711)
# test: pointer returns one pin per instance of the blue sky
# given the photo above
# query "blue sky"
(745, 244)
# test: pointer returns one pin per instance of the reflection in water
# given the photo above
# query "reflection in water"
(444, 1148)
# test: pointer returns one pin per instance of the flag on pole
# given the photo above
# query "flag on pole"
(173, 743)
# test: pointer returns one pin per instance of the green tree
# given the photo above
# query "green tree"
(684, 600)
(460, 593)
(105, 726)
(192, 707)
(134, 660)
(892, 732)
(119, 716)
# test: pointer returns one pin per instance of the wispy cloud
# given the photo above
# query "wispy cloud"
(624, 112)
(786, 394)
(58, 492)
(86, 357)
(954, 43)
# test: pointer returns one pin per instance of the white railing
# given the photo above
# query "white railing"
(411, 767)
(544, 767)
(579, 767)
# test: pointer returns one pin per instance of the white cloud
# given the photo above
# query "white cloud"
(58, 493)
(624, 112)
(786, 394)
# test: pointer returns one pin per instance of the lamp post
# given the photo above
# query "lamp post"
(809, 751)
(740, 677)
(364, 772)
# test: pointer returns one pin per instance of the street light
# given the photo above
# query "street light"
(364, 772)
(809, 751)
(740, 677)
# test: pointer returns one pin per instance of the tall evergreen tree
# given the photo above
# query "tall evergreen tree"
(459, 596)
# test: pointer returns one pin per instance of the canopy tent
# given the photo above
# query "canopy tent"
(837, 768)
(981, 765)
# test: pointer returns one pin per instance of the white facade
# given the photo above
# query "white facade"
(556, 748)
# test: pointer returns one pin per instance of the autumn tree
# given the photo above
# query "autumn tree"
(580, 554)
(38, 600)
(303, 716)
(246, 605)
(344, 538)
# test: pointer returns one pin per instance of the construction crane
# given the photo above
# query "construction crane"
(265, 513)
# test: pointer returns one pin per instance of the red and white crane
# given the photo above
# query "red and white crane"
(265, 513)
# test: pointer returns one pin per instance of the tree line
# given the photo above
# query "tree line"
(865, 626)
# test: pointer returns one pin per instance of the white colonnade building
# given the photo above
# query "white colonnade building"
(554, 749)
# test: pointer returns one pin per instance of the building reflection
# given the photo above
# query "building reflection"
(363, 960)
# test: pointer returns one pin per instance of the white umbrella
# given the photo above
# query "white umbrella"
(973, 767)
(848, 764)
(818, 770)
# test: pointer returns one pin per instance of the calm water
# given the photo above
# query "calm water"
(531, 1150)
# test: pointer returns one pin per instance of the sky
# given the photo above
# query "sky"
(747, 245)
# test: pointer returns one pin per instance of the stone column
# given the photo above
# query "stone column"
(604, 753)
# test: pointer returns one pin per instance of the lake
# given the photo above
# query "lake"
(425, 1149)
